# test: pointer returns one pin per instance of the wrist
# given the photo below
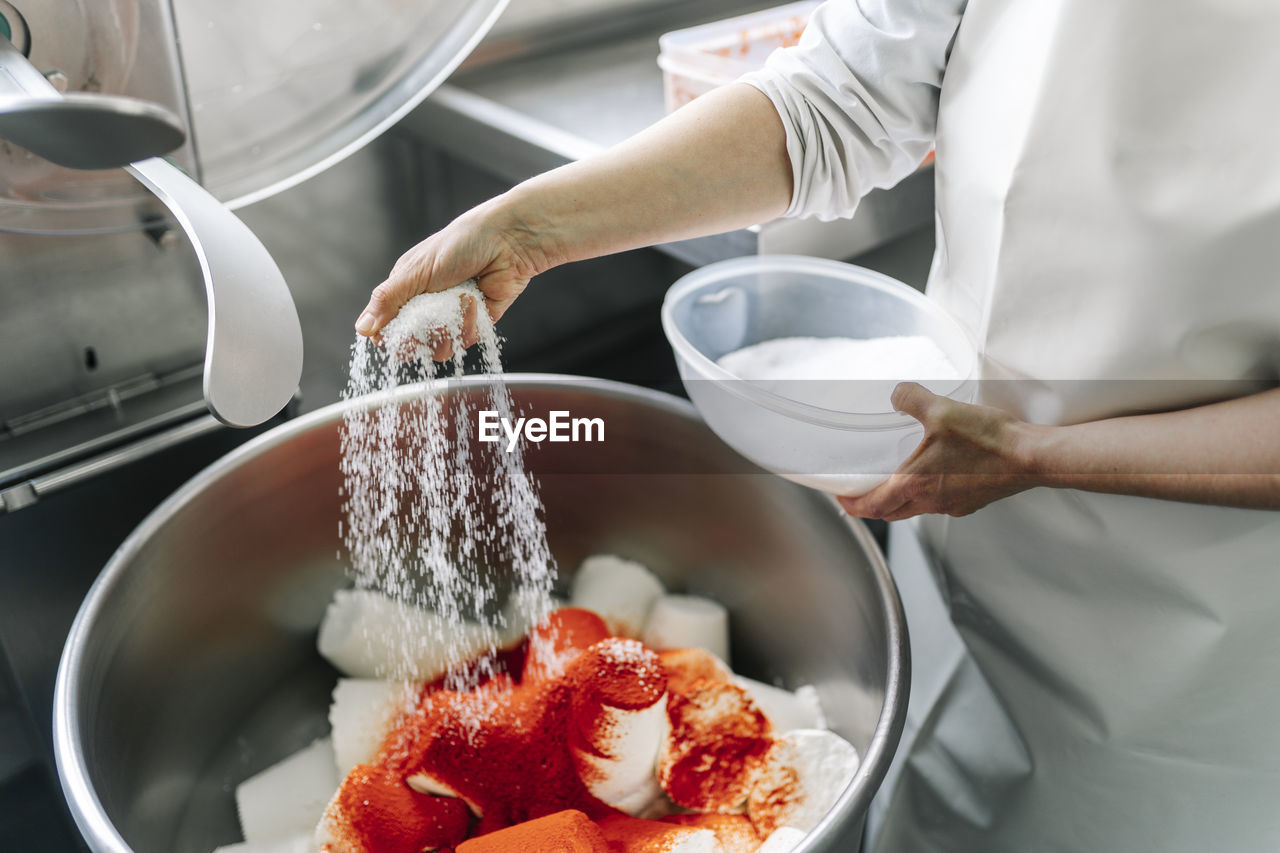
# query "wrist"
(1031, 452)
(515, 219)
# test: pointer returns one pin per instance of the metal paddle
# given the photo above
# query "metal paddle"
(253, 355)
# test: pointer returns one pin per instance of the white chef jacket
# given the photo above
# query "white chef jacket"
(1092, 673)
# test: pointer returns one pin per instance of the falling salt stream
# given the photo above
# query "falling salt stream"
(431, 517)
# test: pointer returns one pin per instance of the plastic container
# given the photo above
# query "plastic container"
(737, 303)
(698, 59)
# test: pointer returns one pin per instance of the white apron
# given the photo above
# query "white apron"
(1092, 673)
(1109, 209)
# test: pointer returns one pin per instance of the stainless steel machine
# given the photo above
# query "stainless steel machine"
(103, 321)
(138, 315)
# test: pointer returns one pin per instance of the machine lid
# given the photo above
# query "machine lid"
(280, 91)
(271, 93)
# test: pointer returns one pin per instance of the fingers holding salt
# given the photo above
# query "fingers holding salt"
(427, 325)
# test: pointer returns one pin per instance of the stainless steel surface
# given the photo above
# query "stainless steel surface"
(540, 25)
(78, 130)
(87, 324)
(253, 349)
(26, 493)
(280, 91)
(105, 47)
(271, 93)
(274, 94)
(38, 442)
(50, 554)
(89, 131)
(14, 27)
(103, 339)
(191, 664)
(531, 101)
(104, 333)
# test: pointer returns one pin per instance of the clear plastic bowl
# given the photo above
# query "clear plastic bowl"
(733, 304)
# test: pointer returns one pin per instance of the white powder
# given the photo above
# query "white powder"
(431, 317)
(840, 374)
(432, 518)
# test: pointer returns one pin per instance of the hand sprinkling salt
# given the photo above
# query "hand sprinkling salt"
(430, 318)
(433, 519)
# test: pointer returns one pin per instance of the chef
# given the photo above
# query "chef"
(1090, 557)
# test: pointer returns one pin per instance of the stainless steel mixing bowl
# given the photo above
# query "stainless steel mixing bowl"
(192, 662)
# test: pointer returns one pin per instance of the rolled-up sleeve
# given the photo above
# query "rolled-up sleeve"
(858, 97)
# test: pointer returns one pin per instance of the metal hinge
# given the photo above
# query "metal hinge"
(28, 492)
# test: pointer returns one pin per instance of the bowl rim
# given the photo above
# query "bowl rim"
(717, 272)
(74, 774)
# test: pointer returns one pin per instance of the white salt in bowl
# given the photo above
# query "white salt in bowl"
(855, 440)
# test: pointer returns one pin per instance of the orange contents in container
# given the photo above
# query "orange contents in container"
(686, 667)
(512, 765)
(718, 737)
(619, 673)
(504, 747)
(382, 815)
(568, 831)
(558, 640)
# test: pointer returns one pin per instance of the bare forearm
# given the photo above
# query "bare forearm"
(718, 164)
(1226, 453)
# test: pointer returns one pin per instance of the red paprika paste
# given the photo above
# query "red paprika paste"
(558, 640)
(717, 742)
(504, 747)
(617, 673)
(686, 667)
(773, 797)
(505, 752)
(378, 813)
